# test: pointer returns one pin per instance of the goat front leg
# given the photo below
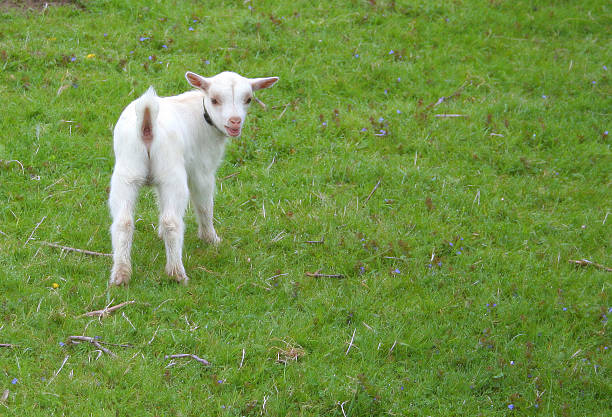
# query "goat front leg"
(202, 198)
(173, 196)
(122, 199)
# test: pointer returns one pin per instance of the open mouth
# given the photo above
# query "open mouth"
(233, 131)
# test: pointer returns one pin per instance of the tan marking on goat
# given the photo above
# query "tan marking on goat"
(147, 129)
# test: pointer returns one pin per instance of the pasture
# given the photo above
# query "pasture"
(397, 223)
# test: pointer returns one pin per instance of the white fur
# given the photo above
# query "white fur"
(180, 162)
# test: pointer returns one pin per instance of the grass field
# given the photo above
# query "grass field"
(453, 235)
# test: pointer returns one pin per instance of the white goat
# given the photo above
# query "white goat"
(174, 144)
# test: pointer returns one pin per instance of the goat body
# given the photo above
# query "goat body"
(176, 145)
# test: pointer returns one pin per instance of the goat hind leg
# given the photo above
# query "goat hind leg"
(122, 200)
(173, 199)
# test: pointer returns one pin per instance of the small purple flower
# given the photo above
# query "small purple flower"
(401, 388)
(363, 129)
(609, 310)
(511, 406)
(544, 97)
(73, 59)
(593, 82)
(386, 92)
(165, 46)
(220, 381)
(362, 269)
(150, 57)
(429, 265)
(450, 243)
(396, 271)
(105, 35)
(356, 56)
(324, 123)
(458, 252)
(195, 20)
(399, 111)
(62, 344)
(604, 67)
(391, 52)
(191, 29)
(382, 133)
(144, 38)
(399, 79)
(606, 133)
(564, 308)
(511, 362)
(440, 263)
(494, 304)
(14, 381)
(207, 62)
(131, 52)
(250, 7)
(380, 120)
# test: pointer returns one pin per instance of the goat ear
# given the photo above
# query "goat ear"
(260, 83)
(197, 80)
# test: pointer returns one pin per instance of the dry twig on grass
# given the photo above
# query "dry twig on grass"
(107, 310)
(444, 98)
(351, 342)
(59, 370)
(34, 231)
(261, 103)
(70, 249)
(586, 262)
(227, 177)
(7, 345)
(96, 342)
(318, 275)
(188, 355)
(371, 193)
(315, 242)
(450, 115)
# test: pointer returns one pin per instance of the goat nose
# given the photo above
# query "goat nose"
(235, 121)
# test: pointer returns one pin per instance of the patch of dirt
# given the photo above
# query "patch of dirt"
(38, 4)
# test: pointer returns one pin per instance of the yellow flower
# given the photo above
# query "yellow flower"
(55, 285)
(91, 56)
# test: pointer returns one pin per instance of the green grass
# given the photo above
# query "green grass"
(518, 186)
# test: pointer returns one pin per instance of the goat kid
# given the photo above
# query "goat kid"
(176, 145)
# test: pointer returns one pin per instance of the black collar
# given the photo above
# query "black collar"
(206, 115)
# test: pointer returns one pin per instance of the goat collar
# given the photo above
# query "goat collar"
(207, 117)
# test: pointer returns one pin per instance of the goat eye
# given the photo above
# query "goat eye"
(214, 101)
(248, 100)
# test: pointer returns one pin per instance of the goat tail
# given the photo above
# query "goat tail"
(147, 108)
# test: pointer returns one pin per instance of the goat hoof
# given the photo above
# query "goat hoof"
(178, 273)
(209, 237)
(120, 275)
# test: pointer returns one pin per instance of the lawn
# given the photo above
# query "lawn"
(397, 223)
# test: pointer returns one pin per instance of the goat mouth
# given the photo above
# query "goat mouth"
(233, 131)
